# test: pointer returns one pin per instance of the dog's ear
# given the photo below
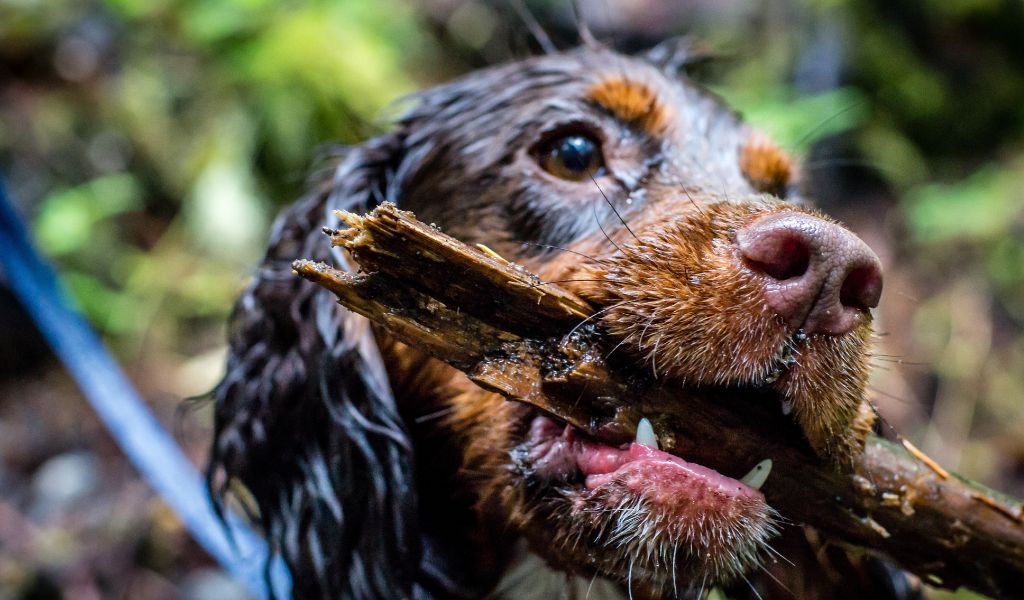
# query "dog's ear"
(307, 434)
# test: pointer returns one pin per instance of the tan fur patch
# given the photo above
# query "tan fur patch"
(631, 101)
(766, 166)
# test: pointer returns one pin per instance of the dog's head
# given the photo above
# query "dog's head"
(644, 194)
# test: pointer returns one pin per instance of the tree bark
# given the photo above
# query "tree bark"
(513, 334)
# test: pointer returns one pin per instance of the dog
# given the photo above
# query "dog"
(379, 472)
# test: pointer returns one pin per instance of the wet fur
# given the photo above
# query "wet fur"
(377, 472)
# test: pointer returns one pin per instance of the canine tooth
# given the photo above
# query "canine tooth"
(645, 434)
(787, 406)
(759, 474)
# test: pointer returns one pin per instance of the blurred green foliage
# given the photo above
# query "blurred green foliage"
(164, 134)
(796, 121)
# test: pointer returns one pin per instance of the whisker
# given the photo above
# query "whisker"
(602, 311)
(675, 589)
(617, 346)
(614, 210)
(434, 415)
(535, 28)
(582, 393)
(693, 202)
(889, 395)
(891, 356)
(848, 162)
(629, 578)
(582, 28)
(751, 586)
(601, 227)
(780, 555)
(884, 421)
(552, 247)
(654, 356)
(777, 580)
(553, 281)
(895, 360)
(826, 121)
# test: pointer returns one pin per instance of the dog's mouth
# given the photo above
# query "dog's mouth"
(558, 453)
(631, 510)
(618, 498)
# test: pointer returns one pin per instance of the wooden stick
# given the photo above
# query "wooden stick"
(491, 320)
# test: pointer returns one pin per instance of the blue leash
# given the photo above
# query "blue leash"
(146, 443)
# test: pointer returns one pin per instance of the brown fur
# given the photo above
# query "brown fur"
(633, 102)
(768, 168)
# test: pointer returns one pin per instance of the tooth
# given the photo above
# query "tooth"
(759, 474)
(645, 434)
(787, 406)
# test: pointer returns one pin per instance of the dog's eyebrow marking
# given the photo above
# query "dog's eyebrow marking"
(766, 166)
(631, 101)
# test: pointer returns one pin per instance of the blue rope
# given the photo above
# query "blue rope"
(146, 443)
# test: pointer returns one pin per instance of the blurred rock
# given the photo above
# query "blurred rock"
(63, 481)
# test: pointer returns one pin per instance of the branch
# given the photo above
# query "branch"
(513, 334)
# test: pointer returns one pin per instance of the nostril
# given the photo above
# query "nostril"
(862, 288)
(782, 255)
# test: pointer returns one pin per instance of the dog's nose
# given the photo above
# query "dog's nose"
(818, 276)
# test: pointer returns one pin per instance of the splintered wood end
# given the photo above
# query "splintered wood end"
(305, 266)
(321, 273)
(357, 225)
(350, 219)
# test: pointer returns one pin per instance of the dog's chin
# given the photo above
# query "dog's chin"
(637, 514)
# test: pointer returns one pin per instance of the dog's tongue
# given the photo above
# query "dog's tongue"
(642, 468)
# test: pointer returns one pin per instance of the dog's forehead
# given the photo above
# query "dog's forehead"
(636, 91)
(525, 92)
(485, 116)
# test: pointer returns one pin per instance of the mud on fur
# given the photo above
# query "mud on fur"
(378, 472)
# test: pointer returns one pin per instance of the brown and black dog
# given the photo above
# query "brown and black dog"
(378, 472)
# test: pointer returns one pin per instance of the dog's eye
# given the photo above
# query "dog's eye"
(574, 157)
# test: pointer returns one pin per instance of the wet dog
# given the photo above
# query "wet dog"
(378, 472)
